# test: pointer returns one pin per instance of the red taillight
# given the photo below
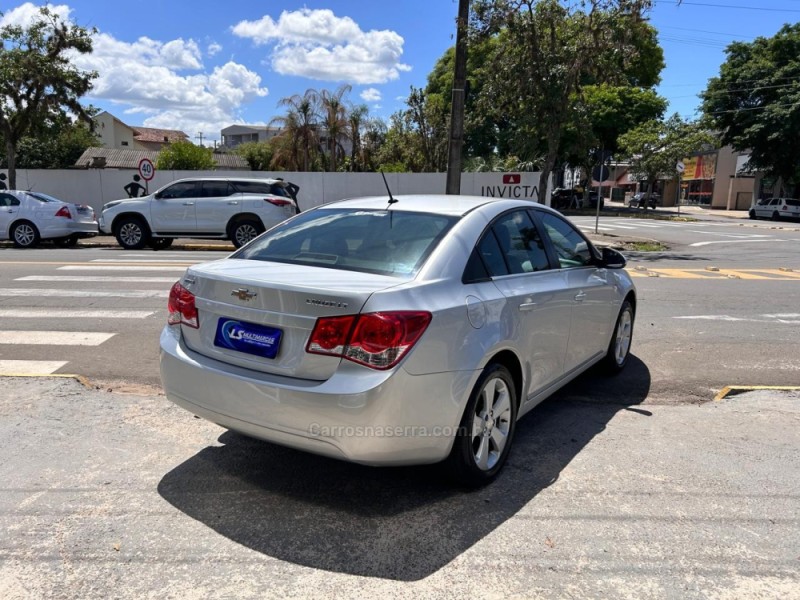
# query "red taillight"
(278, 201)
(64, 212)
(376, 340)
(181, 307)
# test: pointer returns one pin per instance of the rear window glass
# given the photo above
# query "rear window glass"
(791, 202)
(386, 242)
(42, 197)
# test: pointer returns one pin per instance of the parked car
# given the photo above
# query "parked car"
(592, 201)
(638, 200)
(397, 333)
(26, 218)
(238, 209)
(776, 209)
(563, 198)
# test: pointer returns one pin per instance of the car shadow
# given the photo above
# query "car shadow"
(660, 256)
(400, 523)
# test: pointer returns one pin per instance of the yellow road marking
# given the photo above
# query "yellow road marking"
(751, 274)
(79, 378)
(752, 388)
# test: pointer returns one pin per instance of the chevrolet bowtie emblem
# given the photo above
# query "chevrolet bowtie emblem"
(244, 294)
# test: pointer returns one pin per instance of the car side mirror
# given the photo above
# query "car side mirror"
(611, 259)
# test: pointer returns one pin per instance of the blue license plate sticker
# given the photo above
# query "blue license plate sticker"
(248, 338)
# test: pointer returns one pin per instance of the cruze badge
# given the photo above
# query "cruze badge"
(326, 303)
(244, 294)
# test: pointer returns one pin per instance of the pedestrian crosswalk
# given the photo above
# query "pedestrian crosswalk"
(58, 315)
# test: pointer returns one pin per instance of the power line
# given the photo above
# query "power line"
(736, 110)
(734, 6)
(735, 35)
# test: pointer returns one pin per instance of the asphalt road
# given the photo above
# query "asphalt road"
(97, 311)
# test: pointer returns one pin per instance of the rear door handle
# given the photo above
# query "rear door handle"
(579, 297)
(188, 203)
(527, 306)
(233, 202)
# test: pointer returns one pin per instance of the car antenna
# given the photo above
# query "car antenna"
(392, 200)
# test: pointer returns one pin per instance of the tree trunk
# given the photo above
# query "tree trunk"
(11, 158)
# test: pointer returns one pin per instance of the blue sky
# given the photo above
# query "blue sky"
(202, 65)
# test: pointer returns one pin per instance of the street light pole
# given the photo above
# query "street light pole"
(458, 101)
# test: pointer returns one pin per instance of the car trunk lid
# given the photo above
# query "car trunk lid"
(259, 315)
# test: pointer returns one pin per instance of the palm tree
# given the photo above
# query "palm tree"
(358, 114)
(335, 120)
(300, 123)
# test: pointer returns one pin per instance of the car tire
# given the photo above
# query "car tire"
(66, 242)
(132, 233)
(752, 214)
(160, 243)
(483, 440)
(241, 232)
(619, 347)
(25, 235)
(776, 216)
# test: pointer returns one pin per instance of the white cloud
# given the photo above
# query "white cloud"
(26, 13)
(149, 77)
(213, 49)
(319, 45)
(371, 95)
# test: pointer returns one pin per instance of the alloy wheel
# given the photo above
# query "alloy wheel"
(24, 234)
(491, 423)
(622, 342)
(130, 234)
(245, 233)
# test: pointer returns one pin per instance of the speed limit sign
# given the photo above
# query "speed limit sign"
(146, 169)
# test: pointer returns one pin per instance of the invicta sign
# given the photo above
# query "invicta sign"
(511, 185)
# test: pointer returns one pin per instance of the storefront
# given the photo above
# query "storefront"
(697, 181)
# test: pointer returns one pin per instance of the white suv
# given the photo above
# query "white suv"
(238, 209)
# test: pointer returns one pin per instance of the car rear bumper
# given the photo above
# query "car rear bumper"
(359, 415)
(83, 230)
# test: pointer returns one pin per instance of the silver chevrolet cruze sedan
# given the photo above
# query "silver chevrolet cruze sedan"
(396, 331)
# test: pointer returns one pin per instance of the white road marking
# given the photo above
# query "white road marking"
(140, 261)
(740, 319)
(591, 228)
(57, 293)
(783, 316)
(59, 313)
(30, 367)
(118, 268)
(698, 244)
(97, 278)
(55, 338)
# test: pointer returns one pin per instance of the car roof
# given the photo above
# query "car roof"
(248, 179)
(454, 205)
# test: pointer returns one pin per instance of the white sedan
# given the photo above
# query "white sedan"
(26, 218)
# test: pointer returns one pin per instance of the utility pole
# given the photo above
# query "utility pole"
(200, 137)
(459, 97)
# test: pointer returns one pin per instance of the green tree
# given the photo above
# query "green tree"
(257, 154)
(54, 147)
(185, 156)
(335, 121)
(547, 51)
(37, 80)
(755, 102)
(655, 147)
(300, 130)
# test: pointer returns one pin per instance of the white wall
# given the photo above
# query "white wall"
(95, 187)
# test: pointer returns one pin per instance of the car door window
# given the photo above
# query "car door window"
(8, 200)
(520, 243)
(215, 189)
(184, 189)
(252, 187)
(571, 247)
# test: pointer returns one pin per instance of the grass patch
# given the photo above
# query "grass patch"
(648, 246)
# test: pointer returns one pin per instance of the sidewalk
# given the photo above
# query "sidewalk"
(113, 495)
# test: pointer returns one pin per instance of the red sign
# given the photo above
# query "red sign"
(512, 179)
(146, 169)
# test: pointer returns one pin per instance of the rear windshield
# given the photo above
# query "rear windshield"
(42, 197)
(386, 242)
